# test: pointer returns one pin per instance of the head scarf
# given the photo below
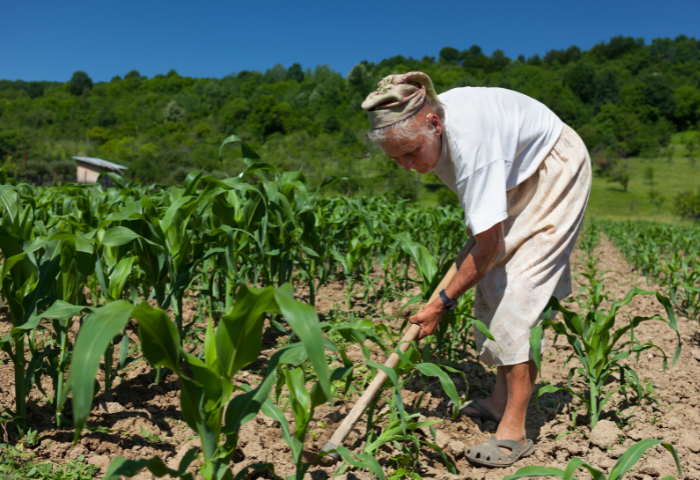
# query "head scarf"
(398, 97)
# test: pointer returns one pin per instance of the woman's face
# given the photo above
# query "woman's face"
(421, 154)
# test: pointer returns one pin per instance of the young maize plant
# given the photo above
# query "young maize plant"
(208, 403)
(667, 254)
(626, 461)
(596, 346)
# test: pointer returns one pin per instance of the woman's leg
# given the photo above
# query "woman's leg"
(510, 399)
(520, 380)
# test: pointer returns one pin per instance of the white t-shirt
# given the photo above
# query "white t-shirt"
(493, 139)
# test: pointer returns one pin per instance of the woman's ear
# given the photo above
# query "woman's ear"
(434, 120)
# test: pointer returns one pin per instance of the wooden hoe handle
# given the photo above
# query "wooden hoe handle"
(376, 385)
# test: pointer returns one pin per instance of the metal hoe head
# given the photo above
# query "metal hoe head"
(322, 458)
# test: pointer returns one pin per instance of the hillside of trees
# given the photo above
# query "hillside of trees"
(624, 97)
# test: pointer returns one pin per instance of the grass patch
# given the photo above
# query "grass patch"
(608, 200)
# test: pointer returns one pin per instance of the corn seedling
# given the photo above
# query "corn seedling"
(596, 347)
(626, 461)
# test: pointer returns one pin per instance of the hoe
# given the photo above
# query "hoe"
(376, 385)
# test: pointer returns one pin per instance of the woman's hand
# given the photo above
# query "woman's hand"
(429, 318)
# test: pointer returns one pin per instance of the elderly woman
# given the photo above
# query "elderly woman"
(523, 178)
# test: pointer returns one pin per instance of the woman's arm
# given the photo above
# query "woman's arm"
(472, 268)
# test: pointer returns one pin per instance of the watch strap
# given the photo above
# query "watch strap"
(449, 303)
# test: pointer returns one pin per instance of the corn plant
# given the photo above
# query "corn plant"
(596, 347)
(667, 254)
(207, 398)
(626, 461)
(27, 284)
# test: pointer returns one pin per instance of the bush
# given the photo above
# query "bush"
(687, 205)
(446, 197)
(65, 167)
(38, 167)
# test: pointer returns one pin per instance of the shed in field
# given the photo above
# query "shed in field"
(90, 168)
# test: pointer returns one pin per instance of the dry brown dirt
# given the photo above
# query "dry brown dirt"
(139, 403)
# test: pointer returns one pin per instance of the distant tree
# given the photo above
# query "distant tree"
(132, 74)
(450, 55)
(580, 79)
(473, 58)
(655, 198)
(10, 142)
(35, 89)
(295, 73)
(534, 60)
(607, 87)
(687, 205)
(79, 82)
(105, 117)
(616, 48)
(234, 112)
(563, 57)
(687, 111)
(497, 61)
(620, 173)
(174, 112)
(275, 74)
(347, 138)
(331, 124)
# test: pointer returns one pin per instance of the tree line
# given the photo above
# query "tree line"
(624, 97)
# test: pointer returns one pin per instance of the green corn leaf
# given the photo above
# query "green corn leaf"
(672, 322)
(160, 341)
(546, 389)
(361, 460)
(447, 385)
(248, 153)
(239, 336)
(398, 401)
(121, 467)
(535, 471)
(119, 276)
(61, 310)
(97, 332)
(118, 236)
(304, 321)
(634, 453)
(270, 410)
(301, 400)
(572, 466)
(450, 468)
(244, 407)
(173, 210)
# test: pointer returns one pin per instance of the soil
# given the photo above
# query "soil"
(141, 410)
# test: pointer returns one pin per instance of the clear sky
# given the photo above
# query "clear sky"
(49, 40)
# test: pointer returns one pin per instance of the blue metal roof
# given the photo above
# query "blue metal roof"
(98, 162)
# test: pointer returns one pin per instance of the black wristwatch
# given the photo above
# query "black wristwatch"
(449, 303)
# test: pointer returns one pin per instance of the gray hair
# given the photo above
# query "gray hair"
(410, 127)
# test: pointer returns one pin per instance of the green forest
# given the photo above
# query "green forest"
(625, 97)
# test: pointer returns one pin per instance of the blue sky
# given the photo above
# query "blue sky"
(50, 40)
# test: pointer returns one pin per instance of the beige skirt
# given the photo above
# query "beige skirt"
(545, 214)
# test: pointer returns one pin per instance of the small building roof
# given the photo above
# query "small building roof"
(98, 162)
